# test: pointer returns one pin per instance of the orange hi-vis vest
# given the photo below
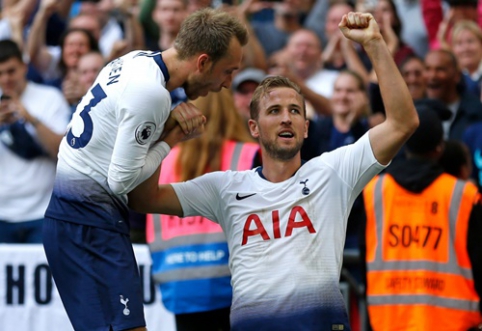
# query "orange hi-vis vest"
(419, 275)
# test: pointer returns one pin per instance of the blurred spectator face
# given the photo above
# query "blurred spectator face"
(441, 75)
(348, 98)
(169, 15)
(304, 52)
(384, 10)
(413, 74)
(89, 23)
(12, 76)
(89, 66)
(76, 44)
(333, 17)
(242, 97)
(467, 47)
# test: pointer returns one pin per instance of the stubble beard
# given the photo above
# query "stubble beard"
(193, 89)
(278, 153)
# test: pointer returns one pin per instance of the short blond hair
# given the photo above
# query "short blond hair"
(209, 31)
(466, 25)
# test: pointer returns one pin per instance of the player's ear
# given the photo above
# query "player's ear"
(253, 128)
(307, 125)
(203, 62)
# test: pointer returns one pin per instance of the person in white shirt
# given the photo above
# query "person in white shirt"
(33, 120)
(285, 222)
(114, 142)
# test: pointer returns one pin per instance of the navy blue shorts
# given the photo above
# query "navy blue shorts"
(96, 274)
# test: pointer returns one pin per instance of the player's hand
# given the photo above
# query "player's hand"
(360, 27)
(177, 135)
(185, 122)
(187, 116)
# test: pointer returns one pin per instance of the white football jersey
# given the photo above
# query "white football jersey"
(111, 134)
(285, 239)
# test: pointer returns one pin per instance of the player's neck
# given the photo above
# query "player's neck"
(178, 70)
(276, 170)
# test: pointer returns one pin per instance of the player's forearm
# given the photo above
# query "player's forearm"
(163, 201)
(149, 197)
(353, 61)
(400, 111)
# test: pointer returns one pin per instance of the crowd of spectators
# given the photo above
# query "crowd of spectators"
(437, 45)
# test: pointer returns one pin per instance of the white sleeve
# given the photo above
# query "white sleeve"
(201, 196)
(355, 164)
(143, 110)
(154, 157)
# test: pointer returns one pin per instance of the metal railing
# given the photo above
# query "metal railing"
(350, 285)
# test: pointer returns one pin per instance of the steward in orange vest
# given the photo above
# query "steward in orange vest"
(422, 233)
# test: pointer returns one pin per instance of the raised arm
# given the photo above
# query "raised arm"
(401, 117)
(132, 27)
(36, 44)
(17, 14)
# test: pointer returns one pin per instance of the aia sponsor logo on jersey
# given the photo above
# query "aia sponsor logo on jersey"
(254, 226)
(144, 132)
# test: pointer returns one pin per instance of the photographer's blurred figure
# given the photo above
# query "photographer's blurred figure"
(33, 119)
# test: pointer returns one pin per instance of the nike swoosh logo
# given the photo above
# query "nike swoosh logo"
(239, 197)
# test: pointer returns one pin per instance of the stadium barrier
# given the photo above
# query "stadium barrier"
(29, 300)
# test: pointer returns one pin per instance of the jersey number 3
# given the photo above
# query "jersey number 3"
(84, 138)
